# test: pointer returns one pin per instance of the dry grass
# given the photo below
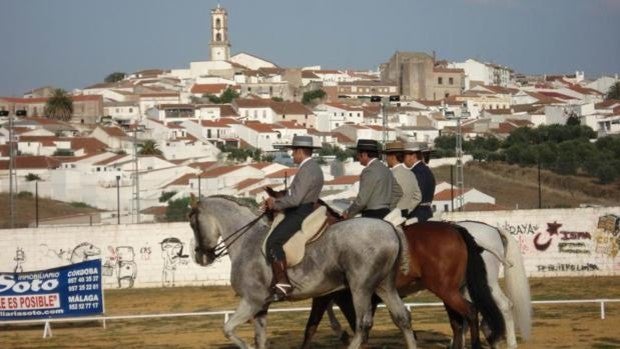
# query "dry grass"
(514, 186)
(557, 326)
(25, 210)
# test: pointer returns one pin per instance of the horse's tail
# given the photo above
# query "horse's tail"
(517, 285)
(479, 290)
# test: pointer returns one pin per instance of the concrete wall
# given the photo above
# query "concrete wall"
(561, 242)
(137, 252)
(567, 242)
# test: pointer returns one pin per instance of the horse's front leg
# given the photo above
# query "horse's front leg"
(245, 311)
(260, 329)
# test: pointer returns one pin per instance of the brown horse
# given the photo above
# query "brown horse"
(443, 258)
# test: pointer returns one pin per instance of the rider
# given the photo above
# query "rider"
(404, 177)
(378, 190)
(296, 204)
(414, 160)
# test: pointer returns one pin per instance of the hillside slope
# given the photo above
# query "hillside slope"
(517, 187)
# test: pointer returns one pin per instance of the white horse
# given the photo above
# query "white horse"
(500, 248)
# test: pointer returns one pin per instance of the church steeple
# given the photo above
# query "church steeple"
(220, 46)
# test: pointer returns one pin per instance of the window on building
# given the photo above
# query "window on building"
(350, 114)
(445, 208)
(218, 23)
(218, 37)
(451, 81)
(283, 117)
(264, 114)
(131, 110)
(440, 80)
(306, 117)
(434, 208)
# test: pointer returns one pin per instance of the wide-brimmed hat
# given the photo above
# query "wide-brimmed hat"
(394, 147)
(301, 142)
(412, 147)
(367, 145)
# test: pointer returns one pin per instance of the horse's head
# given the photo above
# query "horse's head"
(206, 233)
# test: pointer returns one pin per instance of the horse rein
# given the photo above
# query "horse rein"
(220, 249)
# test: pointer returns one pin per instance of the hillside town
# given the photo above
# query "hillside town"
(217, 126)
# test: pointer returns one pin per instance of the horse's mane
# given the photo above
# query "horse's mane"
(239, 201)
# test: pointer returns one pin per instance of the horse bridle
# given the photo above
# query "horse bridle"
(221, 248)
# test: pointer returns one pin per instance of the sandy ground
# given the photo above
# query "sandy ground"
(554, 326)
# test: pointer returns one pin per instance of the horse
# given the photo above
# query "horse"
(502, 249)
(361, 254)
(443, 257)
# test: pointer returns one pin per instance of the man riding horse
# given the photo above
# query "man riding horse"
(378, 190)
(296, 204)
(414, 160)
(404, 177)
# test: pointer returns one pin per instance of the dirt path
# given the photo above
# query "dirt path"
(555, 326)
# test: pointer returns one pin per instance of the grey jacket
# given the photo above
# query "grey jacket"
(409, 184)
(378, 189)
(305, 189)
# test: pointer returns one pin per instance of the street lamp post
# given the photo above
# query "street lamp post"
(118, 199)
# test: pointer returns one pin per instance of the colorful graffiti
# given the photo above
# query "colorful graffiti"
(607, 236)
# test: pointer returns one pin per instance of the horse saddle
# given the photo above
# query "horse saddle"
(312, 229)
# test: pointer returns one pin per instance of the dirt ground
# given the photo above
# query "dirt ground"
(554, 326)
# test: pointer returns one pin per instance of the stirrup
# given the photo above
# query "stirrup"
(280, 292)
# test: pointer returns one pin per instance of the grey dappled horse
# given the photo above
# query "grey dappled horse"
(361, 254)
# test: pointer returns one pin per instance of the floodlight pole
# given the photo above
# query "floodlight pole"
(12, 178)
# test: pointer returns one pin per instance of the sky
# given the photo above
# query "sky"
(76, 43)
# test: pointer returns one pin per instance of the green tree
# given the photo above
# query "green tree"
(166, 195)
(310, 97)
(149, 147)
(614, 91)
(115, 77)
(30, 177)
(573, 120)
(177, 210)
(226, 97)
(277, 99)
(59, 106)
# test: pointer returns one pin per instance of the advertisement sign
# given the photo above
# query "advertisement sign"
(69, 291)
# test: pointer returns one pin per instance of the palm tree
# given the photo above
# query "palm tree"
(149, 147)
(59, 106)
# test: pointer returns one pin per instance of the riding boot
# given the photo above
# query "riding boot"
(281, 285)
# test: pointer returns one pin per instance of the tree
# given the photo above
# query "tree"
(166, 195)
(59, 106)
(115, 77)
(311, 96)
(573, 120)
(177, 210)
(226, 97)
(614, 91)
(149, 147)
(32, 177)
(277, 99)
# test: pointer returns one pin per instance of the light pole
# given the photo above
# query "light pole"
(118, 199)
(384, 107)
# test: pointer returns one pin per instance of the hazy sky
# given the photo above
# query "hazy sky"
(75, 43)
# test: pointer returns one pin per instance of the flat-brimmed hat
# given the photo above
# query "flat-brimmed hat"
(394, 147)
(413, 147)
(367, 145)
(301, 142)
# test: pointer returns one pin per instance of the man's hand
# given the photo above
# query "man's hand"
(270, 203)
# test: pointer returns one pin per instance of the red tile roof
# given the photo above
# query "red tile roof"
(247, 183)
(341, 138)
(285, 172)
(209, 88)
(259, 127)
(219, 171)
(556, 95)
(114, 131)
(183, 180)
(343, 180)
(31, 162)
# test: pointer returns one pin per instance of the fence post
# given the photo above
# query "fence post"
(602, 310)
(47, 330)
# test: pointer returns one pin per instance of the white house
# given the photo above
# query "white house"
(251, 61)
(442, 201)
(257, 135)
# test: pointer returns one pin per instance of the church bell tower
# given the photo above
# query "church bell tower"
(220, 46)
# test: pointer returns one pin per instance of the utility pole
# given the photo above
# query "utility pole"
(136, 172)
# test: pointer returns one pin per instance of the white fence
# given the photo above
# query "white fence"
(47, 331)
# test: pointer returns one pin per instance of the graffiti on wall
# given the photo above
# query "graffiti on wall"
(607, 235)
(519, 229)
(172, 254)
(20, 258)
(569, 241)
(565, 267)
(121, 262)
